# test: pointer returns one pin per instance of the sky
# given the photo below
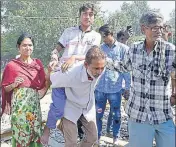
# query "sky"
(165, 7)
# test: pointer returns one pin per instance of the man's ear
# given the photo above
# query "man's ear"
(142, 29)
(85, 64)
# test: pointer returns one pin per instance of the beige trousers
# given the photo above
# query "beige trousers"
(69, 130)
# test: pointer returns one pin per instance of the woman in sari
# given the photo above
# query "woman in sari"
(23, 84)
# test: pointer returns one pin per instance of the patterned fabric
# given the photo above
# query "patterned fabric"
(26, 119)
(150, 88)
(111, 80)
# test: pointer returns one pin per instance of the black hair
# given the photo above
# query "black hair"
(22, 37)
(106, 29)
(120, 34)
(86, 6)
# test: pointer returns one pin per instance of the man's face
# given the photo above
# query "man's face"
(96, 67)
(153, 31)
(106, 38)
(87, 17)
(122, 39)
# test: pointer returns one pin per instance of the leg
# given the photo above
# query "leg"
(140, 135)
(69, 130)
(100, 102)
(56, 112)
(165, 134)
(109, 123)
(90, 133)
(115, 103)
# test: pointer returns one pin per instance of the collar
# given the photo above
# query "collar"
(155, 45)
(84, 75)
(87, 30)
(114, 44)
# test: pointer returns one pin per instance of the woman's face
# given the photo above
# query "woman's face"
(26, 47)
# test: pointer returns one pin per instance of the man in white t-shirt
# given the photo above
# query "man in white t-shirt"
(75, 41)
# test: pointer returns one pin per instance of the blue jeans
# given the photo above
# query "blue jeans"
(142, 134)
(109, 127)
(56, 111)
(115, 103)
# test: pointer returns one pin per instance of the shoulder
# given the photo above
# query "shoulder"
(70, 29)
(169, 46)
(94, 33)
(122, 46)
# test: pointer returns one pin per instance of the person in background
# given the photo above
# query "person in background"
(109, 86)
(75, 42)
(122, 37)
(24, 83)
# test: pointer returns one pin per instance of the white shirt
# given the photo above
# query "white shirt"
(79, 91)
(77, 42)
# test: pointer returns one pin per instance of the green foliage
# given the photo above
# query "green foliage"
(129, 15)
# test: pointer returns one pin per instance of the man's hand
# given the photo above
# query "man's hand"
(128, 33)
(173, 99)
(126, 94)
(68, 64)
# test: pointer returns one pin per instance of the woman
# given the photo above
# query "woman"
(23, 83)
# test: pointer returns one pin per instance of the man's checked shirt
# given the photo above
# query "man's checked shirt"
(150, 88)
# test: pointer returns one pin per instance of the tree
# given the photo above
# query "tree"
(129, 15)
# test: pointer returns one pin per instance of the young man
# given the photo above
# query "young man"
(148, 107)
(110, 84)
(75, 41)
(122, 37)
(79, 82)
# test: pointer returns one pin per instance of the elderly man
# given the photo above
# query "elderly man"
(79, 82)
(148, 107)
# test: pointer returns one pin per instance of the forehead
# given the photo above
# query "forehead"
(26, 41)
(97, 62)
(157, 24)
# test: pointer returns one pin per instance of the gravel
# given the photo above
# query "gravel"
(56, 137)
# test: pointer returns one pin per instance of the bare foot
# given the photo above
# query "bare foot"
(45, 137)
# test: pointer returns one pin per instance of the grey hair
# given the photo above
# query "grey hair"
(151, 17)
(94, 53)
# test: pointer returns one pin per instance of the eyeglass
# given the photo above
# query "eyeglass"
(156, 28)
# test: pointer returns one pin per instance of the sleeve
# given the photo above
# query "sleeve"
(60, 79)
(127, 78)
(63, 39)
(171, 64)
(126, 64)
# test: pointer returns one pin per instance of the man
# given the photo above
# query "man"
(123, 36)
(75, 41)
(148, 107)
(110, 84)
(79, 82)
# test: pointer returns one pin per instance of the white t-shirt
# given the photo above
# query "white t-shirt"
(76, 42)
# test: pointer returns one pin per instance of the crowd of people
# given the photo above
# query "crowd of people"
(87, 75)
